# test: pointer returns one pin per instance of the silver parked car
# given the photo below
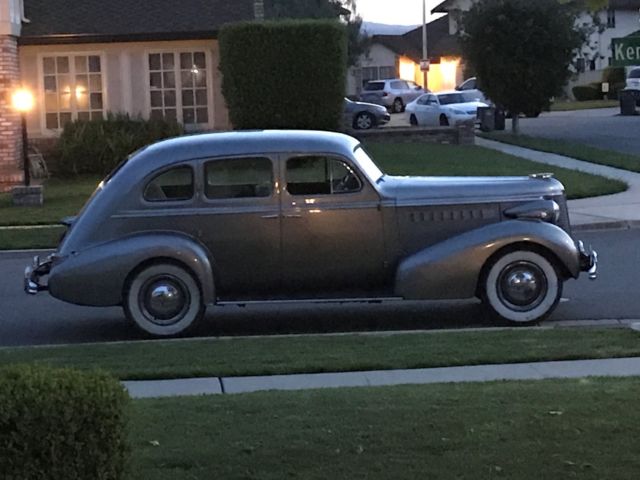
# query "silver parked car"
(301, 215)
(394, 94)
(363, 116)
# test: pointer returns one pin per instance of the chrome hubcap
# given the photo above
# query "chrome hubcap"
(522, 286)
(164, 300)
(364, 122)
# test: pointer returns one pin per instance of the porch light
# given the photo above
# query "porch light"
(22, 100)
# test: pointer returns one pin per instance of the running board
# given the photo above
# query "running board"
(309, 301)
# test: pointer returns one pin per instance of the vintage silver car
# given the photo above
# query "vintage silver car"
(306, 216)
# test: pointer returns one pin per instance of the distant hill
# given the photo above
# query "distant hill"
(373, 28)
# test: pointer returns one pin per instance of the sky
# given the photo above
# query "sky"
(394, 12)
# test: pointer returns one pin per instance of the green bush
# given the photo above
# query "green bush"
(97, 146)
(583, 93)
(287, 74)
(61, 425)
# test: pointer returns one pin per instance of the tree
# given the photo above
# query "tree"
(344, 10)
(521, 51)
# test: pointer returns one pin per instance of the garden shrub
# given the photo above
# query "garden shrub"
(286, 74)
(583, 93)
(61, 425)
(97, 146)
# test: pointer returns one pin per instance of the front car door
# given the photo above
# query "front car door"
(332, 228)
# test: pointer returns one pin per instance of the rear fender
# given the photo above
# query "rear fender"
(97, 276)
(451, 269)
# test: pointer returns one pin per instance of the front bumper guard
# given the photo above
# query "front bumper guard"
(588, 261)
(34, 273)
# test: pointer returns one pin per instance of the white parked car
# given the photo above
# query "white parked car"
(633, 83)
(444, 109)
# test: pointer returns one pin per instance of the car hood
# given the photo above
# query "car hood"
(438, 190)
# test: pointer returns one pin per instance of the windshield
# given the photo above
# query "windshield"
(635, 73)
(368, 167)
(449, 98)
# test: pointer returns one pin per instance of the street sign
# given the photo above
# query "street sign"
(424, 65)
(626, 51)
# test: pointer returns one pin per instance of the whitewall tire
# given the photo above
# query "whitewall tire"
(163, 300)
(521, 286)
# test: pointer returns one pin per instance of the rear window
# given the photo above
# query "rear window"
(374, 86)
(635, 73)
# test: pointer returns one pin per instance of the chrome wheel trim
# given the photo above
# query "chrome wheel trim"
(522, 286)
(364, 121)
(164, 300)
(543, 306)
(397, 105)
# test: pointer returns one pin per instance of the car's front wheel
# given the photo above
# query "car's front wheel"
(521, 286)
(364, 121)
(163, 299)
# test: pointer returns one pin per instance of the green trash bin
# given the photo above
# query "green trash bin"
(627, 102)
(499, 121)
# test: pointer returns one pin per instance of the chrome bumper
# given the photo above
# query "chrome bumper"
(33, 274)
(588, 261)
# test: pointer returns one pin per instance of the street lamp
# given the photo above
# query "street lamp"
(22, 101)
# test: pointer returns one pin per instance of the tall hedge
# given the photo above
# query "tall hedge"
(286, 74)
(61, 425)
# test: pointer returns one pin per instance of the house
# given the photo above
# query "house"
(82, 59)
(619, 19)
(391, 56)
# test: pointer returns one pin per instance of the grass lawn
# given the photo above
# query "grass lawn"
(533, 430)
(66, 197)
(586, 105)
(574, 150)
(341, 353)
(417, 159)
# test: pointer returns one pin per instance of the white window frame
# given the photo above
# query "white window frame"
(209, 77)
(48, 132)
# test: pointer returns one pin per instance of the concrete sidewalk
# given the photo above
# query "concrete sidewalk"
(617, 367)
(619, 210)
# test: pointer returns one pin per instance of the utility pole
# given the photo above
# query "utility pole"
(424, 64)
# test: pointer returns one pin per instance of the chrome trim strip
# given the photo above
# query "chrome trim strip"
(311, 301)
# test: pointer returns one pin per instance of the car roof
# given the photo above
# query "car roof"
(254, 142)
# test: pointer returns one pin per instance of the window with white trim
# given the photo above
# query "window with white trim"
(178, 88)
(72, 89)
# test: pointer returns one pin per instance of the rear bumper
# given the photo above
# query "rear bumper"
(588, 260)
(34, 273)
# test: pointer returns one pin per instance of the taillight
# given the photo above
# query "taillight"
(385, 94)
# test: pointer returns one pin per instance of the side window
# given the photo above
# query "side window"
(238, 178)
(173, 185)
(320, 175)
(423, 100)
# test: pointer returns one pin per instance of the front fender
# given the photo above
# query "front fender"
(451, 269)
(96, 276)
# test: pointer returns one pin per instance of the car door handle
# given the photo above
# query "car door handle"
(270, 217)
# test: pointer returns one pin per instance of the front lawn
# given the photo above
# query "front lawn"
(531, 430)
(330, 353)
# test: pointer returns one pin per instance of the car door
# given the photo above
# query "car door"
(429, 110)
(239, 220)
(332, 227)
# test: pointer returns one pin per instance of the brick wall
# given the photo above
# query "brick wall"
(10, 129)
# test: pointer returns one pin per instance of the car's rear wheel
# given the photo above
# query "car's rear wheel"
(444, 121)
(364, 121)
(413, 120)
(398, 105)
(163, 299)
(521, 286)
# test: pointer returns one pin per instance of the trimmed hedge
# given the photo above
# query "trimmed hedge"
(97, 146)
(61, 425)
(286, 74)
(583, 93)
